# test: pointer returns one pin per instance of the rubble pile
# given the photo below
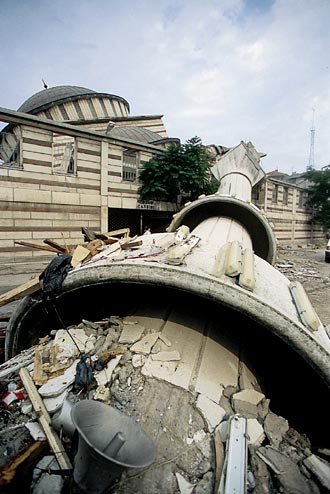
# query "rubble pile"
(123, 364)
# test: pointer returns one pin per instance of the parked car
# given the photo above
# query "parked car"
(327, 252)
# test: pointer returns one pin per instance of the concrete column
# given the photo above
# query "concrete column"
(238, 171)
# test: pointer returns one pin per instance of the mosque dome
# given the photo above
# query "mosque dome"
(63, 103)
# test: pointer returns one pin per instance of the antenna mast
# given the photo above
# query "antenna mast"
(311, 162)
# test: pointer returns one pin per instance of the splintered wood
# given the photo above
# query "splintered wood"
(44, 420)
(27, 288)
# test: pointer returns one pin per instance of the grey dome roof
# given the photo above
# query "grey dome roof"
(54, 95)
(139, 134)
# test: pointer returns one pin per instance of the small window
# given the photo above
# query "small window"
(130, 165)
(275, 194)
(301, 199)
(10, 149)
(285, 196)
(64, 160)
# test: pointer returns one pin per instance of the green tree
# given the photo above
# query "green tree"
(182, 169)
(319, 195)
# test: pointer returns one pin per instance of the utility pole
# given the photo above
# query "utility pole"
(311, 162)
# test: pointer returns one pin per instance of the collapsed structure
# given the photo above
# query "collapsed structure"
(220, 333)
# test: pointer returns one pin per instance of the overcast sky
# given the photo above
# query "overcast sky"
(224, 70)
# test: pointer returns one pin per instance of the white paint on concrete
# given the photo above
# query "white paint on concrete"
(131, 333)
(212, 412)
(104, 376)
(57, 385)
(255, 432)
(145, 345)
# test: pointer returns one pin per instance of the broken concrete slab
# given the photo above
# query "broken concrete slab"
(186, 340)
(218, 369)
(131, 333)
(165, 339)
(320, 468)
(138, 360)
(166, 356)
(36, 431)
(104, 376)
(260, 472)
(246, 402)
(287, 472)
(255, 432)
(43, 481)
(275, 428)
(103, 394)
(212, 412)
(145, 345)
(185, 487)
(70, 342)
(54, 403)
(57, 385)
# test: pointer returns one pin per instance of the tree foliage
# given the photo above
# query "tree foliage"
(319, 195)
(180, 170)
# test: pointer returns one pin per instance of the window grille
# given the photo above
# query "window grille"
(9, 150)
(285, 196)
(130, 165)
(275, 194)
(64, 159)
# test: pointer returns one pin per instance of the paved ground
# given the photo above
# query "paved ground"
(309, 267)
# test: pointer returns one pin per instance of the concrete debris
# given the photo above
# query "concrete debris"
(287, 473)
(103, 394)
(131, 333)
(70, 343)
(172, 404)
(43, 482)
(166, 356)
(212, 412)
(275, 428)
(58, 385)
(165, 340)
(320, 468)
(36, 431)
(246, 402)
(145, 345)
(185, 487)
(54, 403)
(104, 376)
(255, 432)
(138, 360)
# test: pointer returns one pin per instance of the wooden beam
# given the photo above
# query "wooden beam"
(37, 246)
(55, 245)
(44, 419)
(20, 291)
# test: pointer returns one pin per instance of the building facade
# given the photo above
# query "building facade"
(285, 204)
(70, 157)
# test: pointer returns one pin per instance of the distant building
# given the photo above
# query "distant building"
(283, 199)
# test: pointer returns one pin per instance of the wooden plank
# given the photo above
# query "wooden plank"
(121, 231)
(36, 246)
(21, 464)
(44, 419)
(79, 254)
(55, 245)
(219, 460)
(20, 291)
(128, 245)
